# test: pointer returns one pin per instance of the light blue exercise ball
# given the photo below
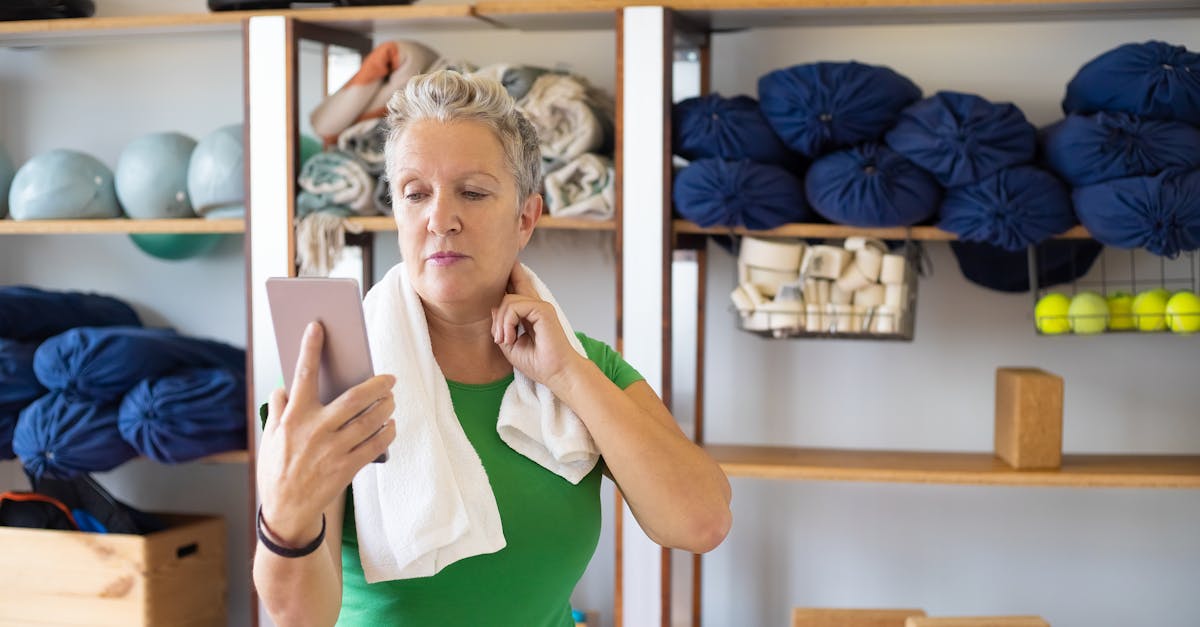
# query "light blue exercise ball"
(214, 179)
(6, 176)
(63, 185)
(151, 176)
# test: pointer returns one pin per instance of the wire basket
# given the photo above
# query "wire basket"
(785, 318)
(1132, 292)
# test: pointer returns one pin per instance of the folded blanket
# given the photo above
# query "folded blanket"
(517, 79)
(335, 181)
(383, 72)
(102, 364)
(31, 314)
(60, 437)
(320, 238)
(558, 106)
(365, 141)
(431, 504)
(582, 189)
(185, 416)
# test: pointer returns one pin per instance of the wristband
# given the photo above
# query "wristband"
(284, 551)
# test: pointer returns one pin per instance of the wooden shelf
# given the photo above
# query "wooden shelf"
(553, 15)
(724, 15)
(387, 223)
(84, 227)
(836, 231)
(230, 457)
(811, 464)
(362, 19)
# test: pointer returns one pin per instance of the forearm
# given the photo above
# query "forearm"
(302, 591)
(679, 495)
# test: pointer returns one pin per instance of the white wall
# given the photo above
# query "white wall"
(1081, 558)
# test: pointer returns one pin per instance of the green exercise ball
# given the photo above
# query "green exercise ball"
(309, 146)
(175, 246)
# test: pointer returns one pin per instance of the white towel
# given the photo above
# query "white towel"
(431, 504)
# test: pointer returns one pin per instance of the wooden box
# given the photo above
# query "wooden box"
(979, 621)
(172, 578)
(1029, 422)
(824, 617)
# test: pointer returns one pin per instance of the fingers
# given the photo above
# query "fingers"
(357, 399)
(275, 406)
(506, 319)
(374, 446)
(364, 425)
(308, 364)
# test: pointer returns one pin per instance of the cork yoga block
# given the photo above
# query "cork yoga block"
(978, 621)
(1029, 423)
(824, 617)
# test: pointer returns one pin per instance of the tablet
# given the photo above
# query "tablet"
(336, 304)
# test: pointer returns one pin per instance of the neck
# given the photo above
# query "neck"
(461, 338)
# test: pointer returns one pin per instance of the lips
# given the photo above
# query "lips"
(445, 258)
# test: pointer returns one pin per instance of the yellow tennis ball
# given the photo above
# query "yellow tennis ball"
(1183, 313)
(1088, 313)
(1148, 309)
(1120, 311)
(1050, 314)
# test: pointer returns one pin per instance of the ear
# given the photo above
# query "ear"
(531, 212)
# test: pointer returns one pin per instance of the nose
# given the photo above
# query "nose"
(444, 216)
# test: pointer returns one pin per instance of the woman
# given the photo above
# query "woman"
(464, 167)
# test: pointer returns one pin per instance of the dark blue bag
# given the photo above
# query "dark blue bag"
(1058, 261)
(1159, 213)
(31, 314)
(871, 186)
(819, 107)
(102, 364)
(726, 128)
(715, 192)
(1011, 209)
(962, 138)
(63, 438)
(1087, 149)
(1153, 80)
(185, 416)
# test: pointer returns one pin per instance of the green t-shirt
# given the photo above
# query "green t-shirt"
(550, 527)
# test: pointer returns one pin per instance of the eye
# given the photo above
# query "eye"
(472, 195)
(415, 196)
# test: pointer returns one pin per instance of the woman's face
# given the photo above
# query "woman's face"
(456, 210)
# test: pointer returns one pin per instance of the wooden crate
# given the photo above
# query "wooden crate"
(827, 617)
(1029, 418)
(979, 621)
(175, 577)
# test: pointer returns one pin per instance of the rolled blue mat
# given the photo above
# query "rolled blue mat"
(733, 128)
(715, 192)
(32, 314)
(1159, 213)
(1154, 80)
(102, 364)
(1011, 209)
(871, 186)
(1088, 149)
(63, 438)
(185, 416)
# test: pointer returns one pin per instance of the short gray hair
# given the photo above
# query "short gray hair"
(449, 96)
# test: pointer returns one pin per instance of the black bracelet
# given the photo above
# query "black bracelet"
(284, 551)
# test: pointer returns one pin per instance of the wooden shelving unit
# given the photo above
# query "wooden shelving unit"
(374, 224)
(834, 231)
(1080, 471)
(120, 225)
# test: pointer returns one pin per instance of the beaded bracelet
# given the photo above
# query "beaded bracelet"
(284, 551)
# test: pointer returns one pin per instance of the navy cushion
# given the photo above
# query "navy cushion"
(1153, 80)
(819, 107)
(60, 437)
(1087, 149)
(102, 364)
(1058, 261)
(725, 128)
(1159, 213)
(29, 313)
(185, 416)
(1011, 209)
(962, 138)
(715, 192)
(871, 186)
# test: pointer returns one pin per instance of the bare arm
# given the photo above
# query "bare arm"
(308, 456)
(678, 494)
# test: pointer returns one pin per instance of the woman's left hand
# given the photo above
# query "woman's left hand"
(543, 353)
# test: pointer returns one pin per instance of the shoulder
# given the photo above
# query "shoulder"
(609, 361)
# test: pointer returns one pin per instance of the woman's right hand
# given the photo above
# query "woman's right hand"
(310, 452)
